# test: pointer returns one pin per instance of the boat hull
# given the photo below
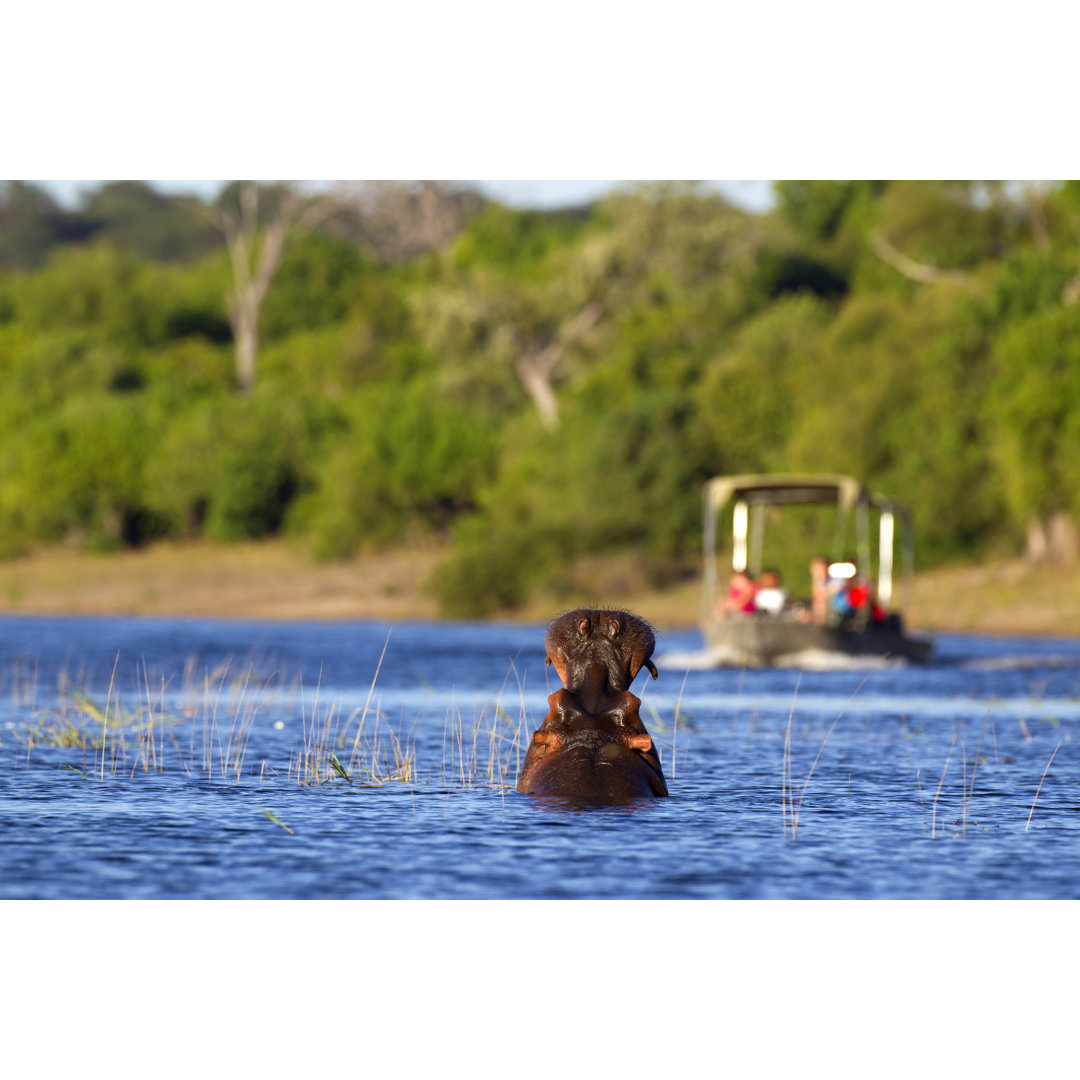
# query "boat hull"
(760, 641)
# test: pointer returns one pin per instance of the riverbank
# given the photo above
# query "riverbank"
(271, 580)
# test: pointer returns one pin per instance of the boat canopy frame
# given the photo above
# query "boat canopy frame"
(754, 494)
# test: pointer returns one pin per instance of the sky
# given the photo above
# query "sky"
(539, 194)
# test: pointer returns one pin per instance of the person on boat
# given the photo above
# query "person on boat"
(819, 590)
(740, 595)
(842, 590)
(861, 599)
(841, 607)
(852, 598)
(771, 597)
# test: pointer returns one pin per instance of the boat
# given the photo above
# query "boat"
(803, 633)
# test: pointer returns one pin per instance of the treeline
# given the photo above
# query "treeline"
(538, 387)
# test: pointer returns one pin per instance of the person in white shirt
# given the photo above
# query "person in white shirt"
(771, 597)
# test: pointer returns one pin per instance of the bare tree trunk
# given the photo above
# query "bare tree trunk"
(1064, 539)
(254, 265)
(536, 366)
(1037, 545)
(244, 318)
(1053, 540)
(535, 370)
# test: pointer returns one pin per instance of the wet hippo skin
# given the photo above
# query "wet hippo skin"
(592, 743)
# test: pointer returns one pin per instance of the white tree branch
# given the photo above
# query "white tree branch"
(916, 271)
(536, 366)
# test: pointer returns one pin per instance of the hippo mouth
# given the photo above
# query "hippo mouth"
(592, 741)
(587, 739)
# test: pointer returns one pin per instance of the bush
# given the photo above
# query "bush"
(76, 474)
(231, 466)
(409, 461)
(487, 572)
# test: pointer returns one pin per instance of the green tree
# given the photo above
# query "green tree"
(32, 224)
(1038, 427)
(818, 208)
(754, 391)
(135, 218)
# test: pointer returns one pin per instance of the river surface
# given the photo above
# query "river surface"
(160, 758)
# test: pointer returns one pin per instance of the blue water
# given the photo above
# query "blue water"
(210, 770)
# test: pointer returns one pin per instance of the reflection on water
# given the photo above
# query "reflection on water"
(198, 758)
(561, 804)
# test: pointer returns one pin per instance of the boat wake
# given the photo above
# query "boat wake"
(691, 660)
(807, 659)
(824, 660)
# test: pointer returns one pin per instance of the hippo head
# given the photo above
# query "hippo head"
(599, 653)
(592, 743)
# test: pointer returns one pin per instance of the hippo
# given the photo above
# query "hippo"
(592, 743)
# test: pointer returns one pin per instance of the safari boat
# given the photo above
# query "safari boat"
(809, 627)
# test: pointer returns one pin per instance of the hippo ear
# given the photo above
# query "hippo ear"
(652, 669)
(547, 661)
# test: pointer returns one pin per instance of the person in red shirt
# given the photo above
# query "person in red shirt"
(861, 599)
(740, 595)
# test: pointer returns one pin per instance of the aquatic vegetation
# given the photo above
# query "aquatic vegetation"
(506, 740)
(947, 809)
(790, 815)
(1027, 824)
(205, 727)
(937, 794)
(277, 821)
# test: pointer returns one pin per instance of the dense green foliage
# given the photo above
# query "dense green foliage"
(924, 336)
